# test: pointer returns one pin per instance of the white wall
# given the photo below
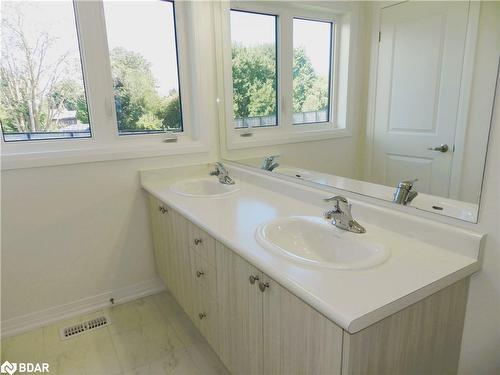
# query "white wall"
(481, 340)
(75, 231)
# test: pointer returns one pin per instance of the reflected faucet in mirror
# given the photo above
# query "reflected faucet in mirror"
(222, 173)
(404, 193)
(269, 163)
(341, 215)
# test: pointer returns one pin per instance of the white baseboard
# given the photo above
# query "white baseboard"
(41, 318)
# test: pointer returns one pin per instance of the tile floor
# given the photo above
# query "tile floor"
(151, 335)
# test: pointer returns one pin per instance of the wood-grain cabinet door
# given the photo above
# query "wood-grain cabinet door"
(297, 338)
(159, 222)
(240, 313)
(181, 284)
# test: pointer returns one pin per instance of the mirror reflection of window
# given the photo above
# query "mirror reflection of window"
(312, 67)
(254, 69)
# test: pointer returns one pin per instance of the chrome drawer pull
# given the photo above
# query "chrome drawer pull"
(263, 286)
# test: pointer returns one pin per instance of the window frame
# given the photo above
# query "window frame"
(105, 143)
(286, 131)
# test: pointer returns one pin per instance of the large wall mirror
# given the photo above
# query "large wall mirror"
(363, 96)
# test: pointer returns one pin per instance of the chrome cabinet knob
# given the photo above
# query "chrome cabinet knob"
(202, 315)
(440, 148)
(253, 279)
(199, 274)
(263, 286)
(197, 241)
(162, 209)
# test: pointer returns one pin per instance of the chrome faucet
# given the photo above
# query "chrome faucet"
(404, 193)
(222, 173)
(270, 163)
(341, 215)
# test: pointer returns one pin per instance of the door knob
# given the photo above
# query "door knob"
(440, 148)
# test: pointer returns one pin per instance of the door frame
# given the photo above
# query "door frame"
(464, 98)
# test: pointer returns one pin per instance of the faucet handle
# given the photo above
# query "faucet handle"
(341, 203)
(271, 157)
(408, 184)
(219, 169)
(336, 198)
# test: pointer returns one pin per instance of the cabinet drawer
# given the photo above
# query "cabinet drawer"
(206, 318)
(204, 275)
(202, 243)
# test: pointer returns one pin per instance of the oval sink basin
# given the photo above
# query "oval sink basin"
(313, 240)
(207, 187)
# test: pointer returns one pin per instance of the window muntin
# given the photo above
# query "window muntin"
(42, 91)
(254, 69)
(144, 66)
(312, 70)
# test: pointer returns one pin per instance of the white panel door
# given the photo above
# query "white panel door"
(421, 54)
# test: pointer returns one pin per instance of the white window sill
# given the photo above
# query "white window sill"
(94, 153)
(273, 136)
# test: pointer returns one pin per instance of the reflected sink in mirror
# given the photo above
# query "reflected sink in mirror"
(315, 241)
(207, 187)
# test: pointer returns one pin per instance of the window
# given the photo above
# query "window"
(290, 77)
(144, 66)
(42, 88)
(254, 69)
(312, 66)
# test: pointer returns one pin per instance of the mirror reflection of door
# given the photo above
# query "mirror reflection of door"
(421, 53)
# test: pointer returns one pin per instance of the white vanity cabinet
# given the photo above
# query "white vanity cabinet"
(185, 261)
(267, 330)
(256, 326)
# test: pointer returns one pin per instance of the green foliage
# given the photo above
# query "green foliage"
(317, 96)
(148, 121)
(170, 111)
(254, 82)
(303, 78)
(138, 104)
(82, 110)
(254, 74)
(70, 95)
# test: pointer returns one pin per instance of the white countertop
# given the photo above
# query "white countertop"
(353, 299)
